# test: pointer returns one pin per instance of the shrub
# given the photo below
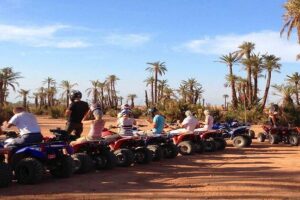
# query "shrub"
(112, 112)
(6, 113)
(57, 112)
(136, 112)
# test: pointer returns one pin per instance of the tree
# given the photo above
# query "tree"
(50, 82)
(291, 18)
(150, 81)
(225, 102)
(295, 79)
(162, 85)
(111, 81)
(230, 60)
(132, 97)
(24, 93)
(93, 91)
(67, 87)
(156, 68)
(257, 62)
(270, 64)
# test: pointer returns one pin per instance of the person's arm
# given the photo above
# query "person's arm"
(87, 114)
(184, 123)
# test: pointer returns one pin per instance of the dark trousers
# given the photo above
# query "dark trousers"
(77, 128)
(29, 138)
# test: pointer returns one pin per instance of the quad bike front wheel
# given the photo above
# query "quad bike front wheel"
(106, 160)
(64, 167)
(143, 155)
(5, 175)
(274, 139)
(157, 152)
(125, 157)
(186, 148)
(83, 163)
(210, 146)
(240, 142)
(261, 137)
(29, 171)
(220, 143)
(294, 140)
(170, 151)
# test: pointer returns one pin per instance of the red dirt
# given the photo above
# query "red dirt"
(260, 172)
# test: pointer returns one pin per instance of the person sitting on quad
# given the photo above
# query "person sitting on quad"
(30, 131)
(158, 122)
(75, 113)
(188, 124)
(96, 127)
(208, 123)
(272, 115)
(126, 123)
(124, 107)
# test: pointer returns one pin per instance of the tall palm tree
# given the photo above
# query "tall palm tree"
(257, 61)
(156, 68)
(230, 60)
(285, 91)
(111, 80)
(93, 91)
(132, 97)
(270, 64)
(150, 81)
(162, 85)
(42, 96)
(295, 79)
(67, 87)
(225, 100)
(8, 78)
(49, 82)
(291, 18)
(24, 94)
(246, 49)
(101, 89)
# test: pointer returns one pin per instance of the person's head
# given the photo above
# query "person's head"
(18, 109)
(125, 107)
(75, 95)
(97, 113)
(125, 113)
(188, 113)
(153, 111)
(206, 112)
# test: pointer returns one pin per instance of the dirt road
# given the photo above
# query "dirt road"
(260, 172)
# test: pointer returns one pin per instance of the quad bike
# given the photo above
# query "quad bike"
(160, 145)
(127, 149)
(230, 126)
(5, 170)
(212, 140)
(276, 135)
(30, 161)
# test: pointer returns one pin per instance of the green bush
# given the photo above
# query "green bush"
(112, 112)
(38, 111)
(6, 113)
(136, 113)
(57, 112)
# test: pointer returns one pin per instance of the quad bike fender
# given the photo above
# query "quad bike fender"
(210, 134)
(182, 137)
(240, 131)
(32, 152)
(121, 142)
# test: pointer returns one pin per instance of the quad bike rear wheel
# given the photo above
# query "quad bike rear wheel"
(157, 152)
(170, 151)
(199, 147)
(186, 148)
(5, 175)
(64, 167)
(106, 160)
(249, 140)
(125, 157)
(29, 171)
(274, 139)
(240, 141)
(210, 146)
(261, 137)
(143, 155)
(294, 140)
(220, 143)
(83, 163)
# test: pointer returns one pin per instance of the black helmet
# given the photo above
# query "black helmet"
(152, 111)
(75, 94)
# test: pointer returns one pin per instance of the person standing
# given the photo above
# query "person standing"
(30, 131)
(75, 113)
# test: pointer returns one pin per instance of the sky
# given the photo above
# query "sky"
(84, 40)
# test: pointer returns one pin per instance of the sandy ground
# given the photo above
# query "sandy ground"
(260, 172)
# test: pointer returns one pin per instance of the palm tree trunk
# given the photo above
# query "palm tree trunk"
(152, 93)
(297, 94)
(155, 87)
(146, 99)
(233, 91)
(255, 89)
(267, 89)
(249, 85)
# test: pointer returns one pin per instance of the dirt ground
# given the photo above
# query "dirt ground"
(260, 172)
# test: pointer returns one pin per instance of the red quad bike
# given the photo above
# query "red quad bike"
(127, 149)
(212, 140)
(5, 170)
(279, 134)
(188, 143)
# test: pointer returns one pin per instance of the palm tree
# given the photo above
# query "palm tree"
(93, 91)
(230, 60)
(245, 49)
(24, 93)
(256, 61)
(162, 85)
(132, 97)
(150, 81)
(8, 78)
(270, 64)
(42, 96)
(291, 18)
(285, 91)
(111, 80)
(156, 68)
(67, 87)
(225, 102)
(295, 79)
(101, 88)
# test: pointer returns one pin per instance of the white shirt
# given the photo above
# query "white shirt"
(25, 122)
(126, 125)
(190, 123)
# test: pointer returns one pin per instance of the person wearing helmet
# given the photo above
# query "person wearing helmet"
(188, 124)
(124, 107)
(208, 123)
(272, 115)
(75, 113)
(158, 122)
(126, 123)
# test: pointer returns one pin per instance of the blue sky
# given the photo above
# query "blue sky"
(83, 40)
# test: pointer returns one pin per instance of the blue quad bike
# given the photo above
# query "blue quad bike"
(29, 162)
(240, 134)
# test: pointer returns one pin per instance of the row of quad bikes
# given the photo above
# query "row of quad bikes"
(27, 164)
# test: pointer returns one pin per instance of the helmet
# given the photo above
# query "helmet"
(95, 106)
(125, 112)
(75, 94)
(152, 111)
(125, 106)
